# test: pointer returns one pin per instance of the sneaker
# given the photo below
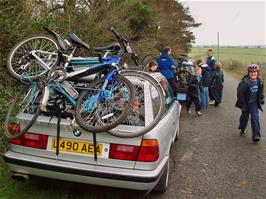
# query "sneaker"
(256, 139)
(212, 102)
(198, 113)
(189, 111)
(242, 132)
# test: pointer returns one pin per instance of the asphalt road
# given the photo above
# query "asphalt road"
(211, 160)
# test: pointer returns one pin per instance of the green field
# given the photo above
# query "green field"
(235, 60)
(243, 55)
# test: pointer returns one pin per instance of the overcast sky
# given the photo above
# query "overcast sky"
(238, 22)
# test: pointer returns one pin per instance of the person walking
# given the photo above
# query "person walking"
(211, 62)
(204, 95)
(166, 66)
(194, 89)
(250, 97)
(216, 84)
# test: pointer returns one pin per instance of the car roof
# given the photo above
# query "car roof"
(156, 75)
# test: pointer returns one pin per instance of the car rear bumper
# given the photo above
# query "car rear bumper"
(84, 173)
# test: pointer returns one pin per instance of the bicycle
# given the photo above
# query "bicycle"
(38, 53)
(141, 77)
(140, 80)
(100, 110)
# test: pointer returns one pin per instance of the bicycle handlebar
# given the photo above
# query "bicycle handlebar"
(118, 35)
(126, 46)
(120, 38)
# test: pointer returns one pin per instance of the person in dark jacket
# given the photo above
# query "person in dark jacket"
(204, 95)
(194, 89)
(166, 66)
(250, 97)
(216, 84)
(211, 62)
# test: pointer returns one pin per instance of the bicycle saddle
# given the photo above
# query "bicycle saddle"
(113, 48)
(63, 45)
(74, 38)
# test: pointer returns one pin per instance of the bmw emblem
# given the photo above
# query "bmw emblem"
(76, 132)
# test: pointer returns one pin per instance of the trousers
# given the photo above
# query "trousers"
(255, 123)
(204, 97)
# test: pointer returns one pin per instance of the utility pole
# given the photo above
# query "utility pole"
(218, 47)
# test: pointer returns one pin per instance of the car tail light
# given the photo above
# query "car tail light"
(123, 152)
(31, 140)
(14, 129)
(147, 152)
(16, 141)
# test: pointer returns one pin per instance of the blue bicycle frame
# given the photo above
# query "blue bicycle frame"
(94, 68)
(94, 60)
(90, 103)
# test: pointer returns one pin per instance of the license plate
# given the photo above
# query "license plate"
(78, 147)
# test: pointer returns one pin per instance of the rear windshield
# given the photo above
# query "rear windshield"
(136, 117)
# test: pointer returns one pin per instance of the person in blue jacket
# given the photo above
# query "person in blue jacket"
(166, 66)
(250, 97)
(206, 73)
(211, 62)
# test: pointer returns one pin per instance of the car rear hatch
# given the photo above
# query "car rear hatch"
(75, 144)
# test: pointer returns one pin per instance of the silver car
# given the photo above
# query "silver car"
(140, 163)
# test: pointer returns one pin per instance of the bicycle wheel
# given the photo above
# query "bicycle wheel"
(20, 59)
(99, 111)
(22, 112)
(141, 80)
(147, 59)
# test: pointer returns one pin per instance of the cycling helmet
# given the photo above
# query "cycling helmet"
(253, 68)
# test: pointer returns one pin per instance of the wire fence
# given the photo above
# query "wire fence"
(245, 56)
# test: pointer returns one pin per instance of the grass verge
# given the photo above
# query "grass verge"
(41, 188)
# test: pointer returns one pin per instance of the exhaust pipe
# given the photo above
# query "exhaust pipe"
(20, 177)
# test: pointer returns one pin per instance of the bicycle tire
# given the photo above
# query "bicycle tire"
(103, 124)
(157, 86)
(19, 56)
(14, 110)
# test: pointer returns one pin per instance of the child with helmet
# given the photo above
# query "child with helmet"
(250, 97)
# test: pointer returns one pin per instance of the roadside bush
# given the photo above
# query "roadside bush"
(241, 68)
(7, 89)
